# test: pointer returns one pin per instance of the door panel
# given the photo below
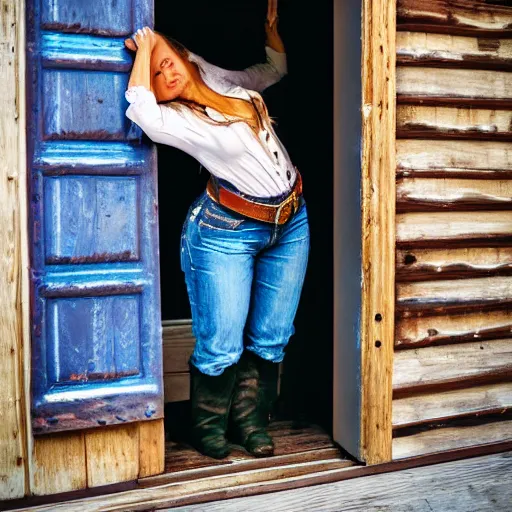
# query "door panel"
(67, 92)
(91, 219)
(96, 327)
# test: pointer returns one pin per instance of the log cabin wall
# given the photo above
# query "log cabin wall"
(453, 331)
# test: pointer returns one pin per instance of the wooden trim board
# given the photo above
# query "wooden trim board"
(378, 221)
(13, 264)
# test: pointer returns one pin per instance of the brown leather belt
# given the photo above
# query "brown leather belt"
(275, 214)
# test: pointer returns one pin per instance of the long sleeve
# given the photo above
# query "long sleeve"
(257, 77)
(160, 123)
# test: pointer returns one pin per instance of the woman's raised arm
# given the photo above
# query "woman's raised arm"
(160, 124)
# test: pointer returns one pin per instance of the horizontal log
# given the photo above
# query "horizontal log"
(446, 50)
(439, 297)
(455, 17)
(444, 439)
(436, 264)
(430, 368)
(446, 405)
(436, 86)
(436, 330)
(413, 121)
(453, 159)
(431, 194)
(453, 229)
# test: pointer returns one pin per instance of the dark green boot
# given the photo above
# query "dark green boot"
(250, 408)
(210, 398)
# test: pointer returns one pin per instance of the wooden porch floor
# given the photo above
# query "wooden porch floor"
(308, 472)
(480, 484)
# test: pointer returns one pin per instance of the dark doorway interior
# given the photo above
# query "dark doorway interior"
(230, 33)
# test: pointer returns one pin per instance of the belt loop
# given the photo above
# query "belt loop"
(215, 184)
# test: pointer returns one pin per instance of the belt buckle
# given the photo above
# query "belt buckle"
(294, 200)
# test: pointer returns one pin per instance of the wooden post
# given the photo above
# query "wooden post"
(13, 260)
(378, 227)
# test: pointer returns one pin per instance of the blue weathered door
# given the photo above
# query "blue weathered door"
(96, 328)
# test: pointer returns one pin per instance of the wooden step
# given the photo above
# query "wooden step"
(239, 461)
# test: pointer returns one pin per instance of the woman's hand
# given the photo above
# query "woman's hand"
(272, 12)
(273, 38)
(142, 38)
(142, 42)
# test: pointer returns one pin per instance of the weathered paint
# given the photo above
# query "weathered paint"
(96, 333)
(87, 215)
(110, 17)
(65, 92)
(84, 52)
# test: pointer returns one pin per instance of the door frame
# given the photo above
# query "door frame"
(15, 431)
(364, 212)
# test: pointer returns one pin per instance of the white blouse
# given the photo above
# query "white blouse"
(230, 152)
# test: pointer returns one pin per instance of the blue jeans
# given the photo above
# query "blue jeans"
(244, 279)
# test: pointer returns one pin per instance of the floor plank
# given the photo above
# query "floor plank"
(289, 438)
(480, 483)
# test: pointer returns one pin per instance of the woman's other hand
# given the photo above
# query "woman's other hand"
(273, 38)
(272, 12)
(142, 38)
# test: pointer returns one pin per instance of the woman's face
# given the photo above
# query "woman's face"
(169, 73)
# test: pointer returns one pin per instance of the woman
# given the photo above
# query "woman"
(245, 240)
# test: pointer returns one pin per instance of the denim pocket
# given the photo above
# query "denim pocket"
(215, 216)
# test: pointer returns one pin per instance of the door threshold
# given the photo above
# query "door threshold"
(299, 449)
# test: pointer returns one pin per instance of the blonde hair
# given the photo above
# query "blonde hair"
(199, 109)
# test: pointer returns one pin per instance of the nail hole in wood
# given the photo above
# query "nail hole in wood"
(378, 344)
(409, 259)
(378, 317)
